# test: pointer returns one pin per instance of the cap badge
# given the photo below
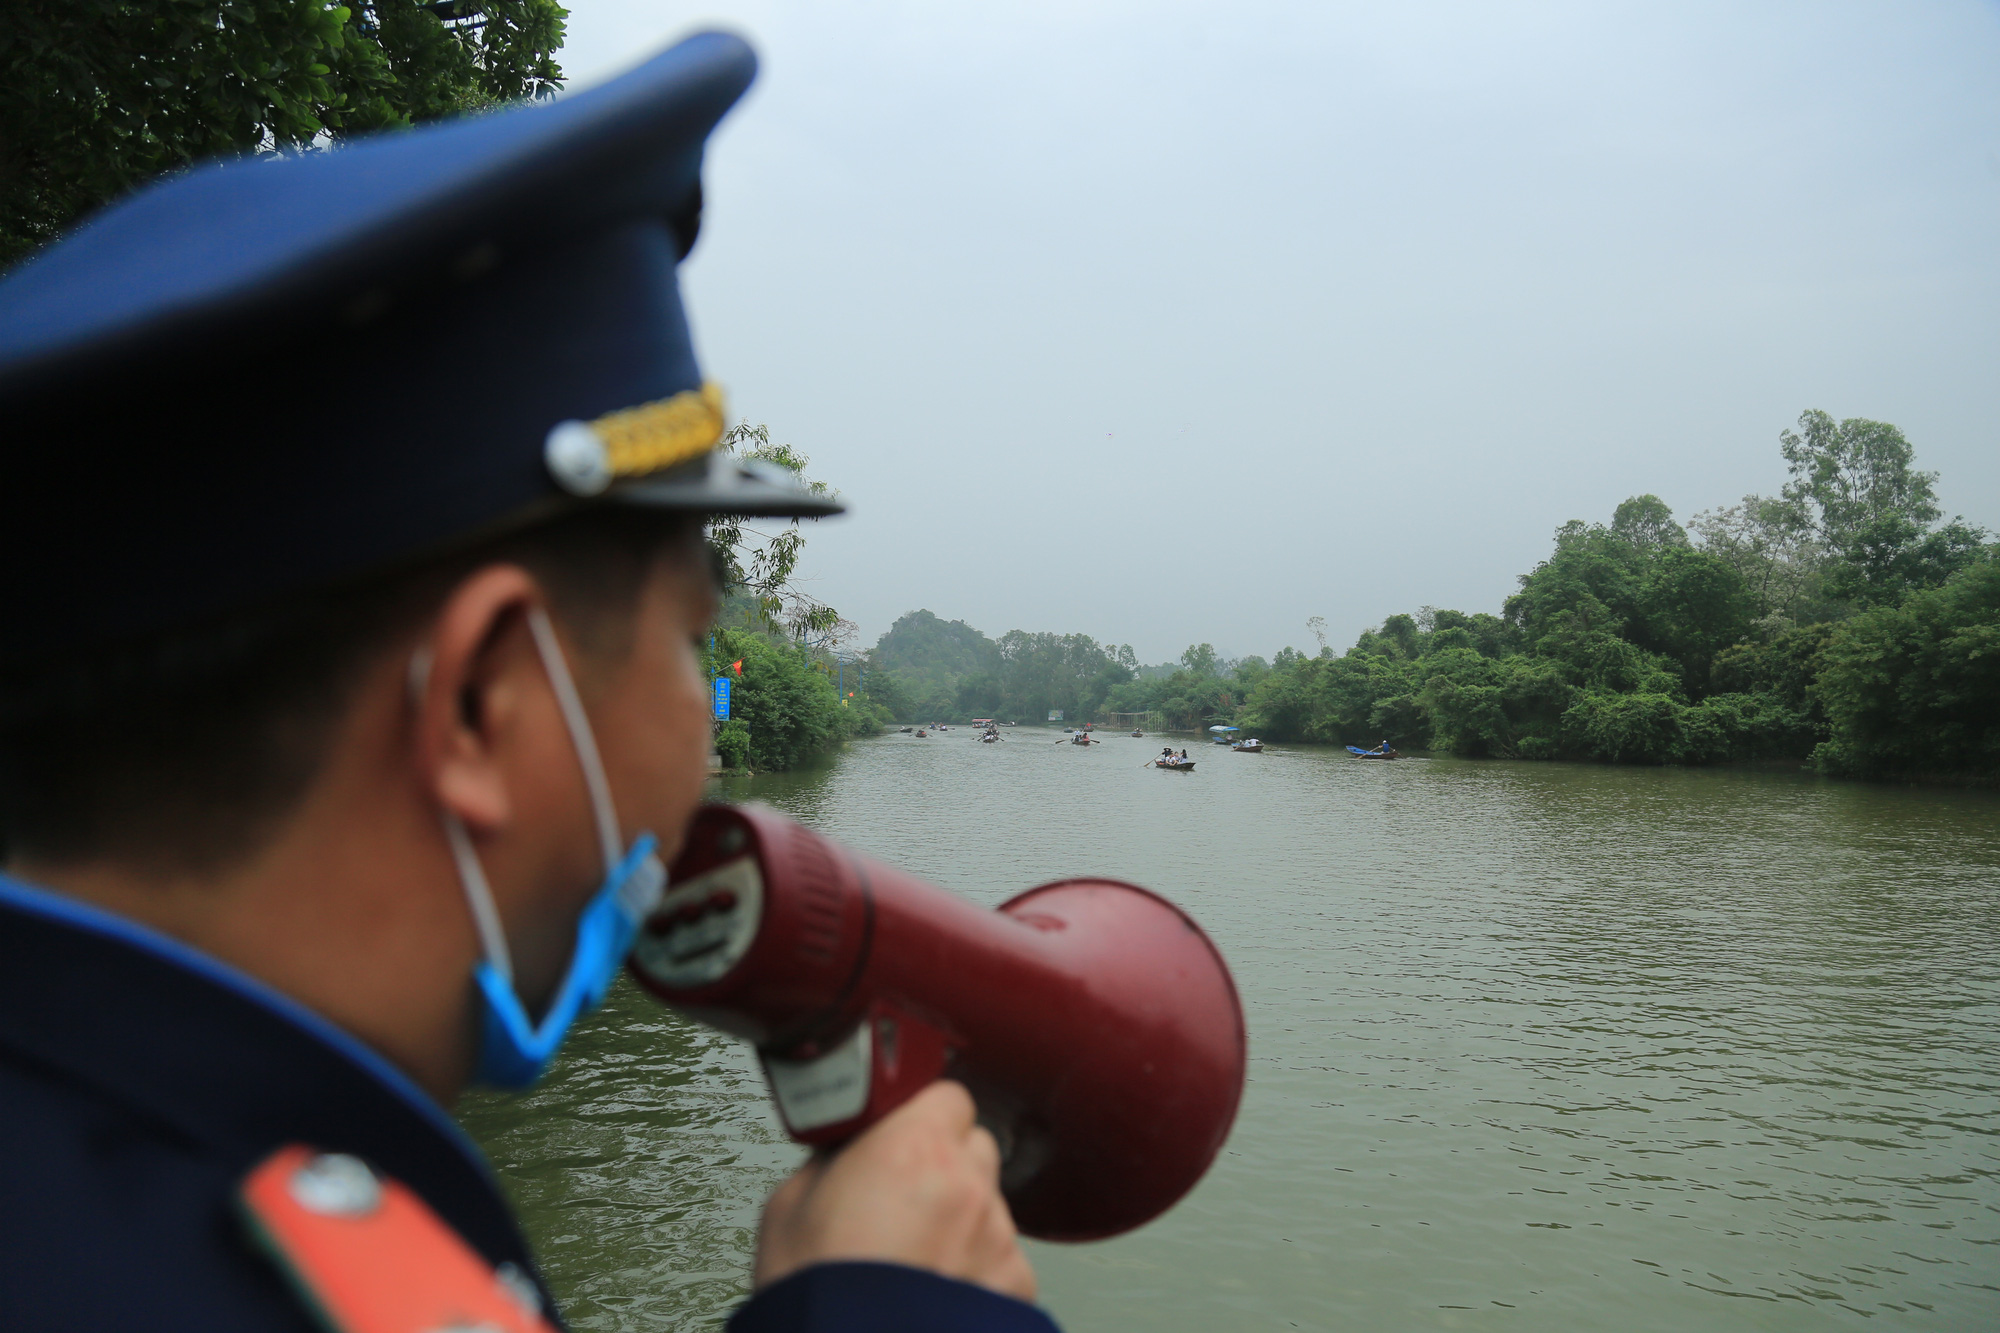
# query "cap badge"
(585, 457)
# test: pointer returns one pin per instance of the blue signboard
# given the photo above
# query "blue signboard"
(722, 698)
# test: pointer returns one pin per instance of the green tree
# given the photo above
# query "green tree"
(1589, 583)
(1636, 728)
(978, 696)
(1507, 708)
(99, 96)
(784, 709)
(1775, 553)
(1767, 704)
(762, 564)
(1886, 559)
(1849, 474)
(1691, 606)
(1401, 630)
(1647, 523)
(1914, 689)
(921, 644)
(930, 658)
(885, 689)
(732, 744)
(1489, 635)
(1040, 672)
(1200, 659)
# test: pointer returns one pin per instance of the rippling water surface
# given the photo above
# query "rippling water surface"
(1532, 1045)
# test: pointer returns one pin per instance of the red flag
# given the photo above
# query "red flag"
(737, 666)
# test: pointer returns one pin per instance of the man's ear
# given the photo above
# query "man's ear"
(473, 675)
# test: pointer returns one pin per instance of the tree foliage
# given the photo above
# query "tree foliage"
(1913, 689)
(784, 709)
(99, 96)
(942, 669)
(1199, 659)
(1044, 672)
(1645, 522)
(949, 670)
(1776, 555)
(1886, 559)
(1851, 474)
(762, 565)
(1840, 621)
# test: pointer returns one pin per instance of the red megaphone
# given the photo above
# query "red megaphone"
(1093, 1022)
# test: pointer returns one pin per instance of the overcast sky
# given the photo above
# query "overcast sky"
(1169, 322)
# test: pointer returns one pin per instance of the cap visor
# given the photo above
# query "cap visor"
(723, 485)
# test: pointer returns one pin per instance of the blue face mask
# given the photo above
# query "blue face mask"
(513, 1048)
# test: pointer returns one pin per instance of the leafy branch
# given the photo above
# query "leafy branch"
(762, 565)
(99, 96)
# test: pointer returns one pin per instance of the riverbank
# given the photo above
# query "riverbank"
(1842, 623)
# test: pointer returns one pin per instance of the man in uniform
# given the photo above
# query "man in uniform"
(352, 509)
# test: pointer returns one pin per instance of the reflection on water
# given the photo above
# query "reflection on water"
(1577, 1046)
(639, 1167)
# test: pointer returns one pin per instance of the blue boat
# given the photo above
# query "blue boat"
(1360, 753)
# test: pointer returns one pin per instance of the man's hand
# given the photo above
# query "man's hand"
(921, 1188)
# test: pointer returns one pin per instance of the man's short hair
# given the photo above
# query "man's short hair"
(183, 753)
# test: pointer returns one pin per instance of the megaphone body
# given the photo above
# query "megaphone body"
(1094, 1023)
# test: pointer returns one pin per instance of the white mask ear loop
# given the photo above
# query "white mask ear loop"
(471, 875)
(479, 896)
(578, 722)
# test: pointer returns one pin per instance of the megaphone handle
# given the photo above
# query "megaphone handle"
(828, 1095)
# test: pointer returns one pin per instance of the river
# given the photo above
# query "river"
(1532, 1046)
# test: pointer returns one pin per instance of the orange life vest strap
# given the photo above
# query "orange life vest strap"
(370, 1256)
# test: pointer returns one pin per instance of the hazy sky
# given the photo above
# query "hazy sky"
(1168, 322)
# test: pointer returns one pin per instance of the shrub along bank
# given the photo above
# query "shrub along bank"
(784, 709)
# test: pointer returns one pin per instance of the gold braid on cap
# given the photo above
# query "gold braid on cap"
(644, 439)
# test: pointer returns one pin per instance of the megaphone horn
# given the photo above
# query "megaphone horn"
(1094, 1023)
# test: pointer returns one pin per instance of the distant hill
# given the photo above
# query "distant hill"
(930, 658)
(946, 669)
(922, 646)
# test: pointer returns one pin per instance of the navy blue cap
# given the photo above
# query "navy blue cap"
(260, 377)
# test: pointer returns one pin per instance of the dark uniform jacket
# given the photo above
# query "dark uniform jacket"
(141, 1080)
